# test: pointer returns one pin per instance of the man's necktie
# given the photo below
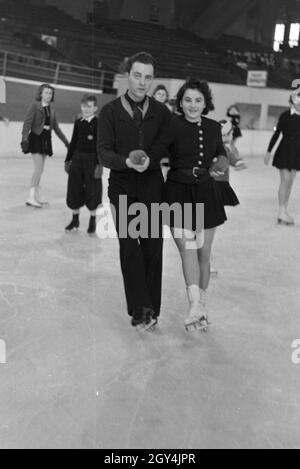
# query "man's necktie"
(138, 114)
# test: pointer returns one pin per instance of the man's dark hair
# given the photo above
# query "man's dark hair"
(143, 58)
(89, 98)
(202, 87)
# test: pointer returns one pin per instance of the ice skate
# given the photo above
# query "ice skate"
(150, 320)
(197, 318)
(145, 320)
(286, 219)
(92, 226)
(74, 225)
(32, 202)
(39, 197)
(214, 272)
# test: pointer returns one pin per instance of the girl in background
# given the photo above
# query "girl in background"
(37, 139)
(287, 156)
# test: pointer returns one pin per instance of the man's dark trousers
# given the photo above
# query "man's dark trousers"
(141, 259)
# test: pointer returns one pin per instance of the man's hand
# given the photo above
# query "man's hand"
(137, 157)
(138, 160)
(267, 158)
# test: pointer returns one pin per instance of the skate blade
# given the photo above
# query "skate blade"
(197, 327)
(33, 206)
(74, 230)
(141, 328)
(285, 223)
(214, 273)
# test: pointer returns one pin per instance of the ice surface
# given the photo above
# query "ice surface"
(78, 376)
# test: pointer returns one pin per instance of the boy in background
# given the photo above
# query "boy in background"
(82, 166)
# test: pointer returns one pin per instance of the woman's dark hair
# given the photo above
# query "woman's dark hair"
(43, 87)
(143, 58)
(202, 87)
(231, 107)
(161, 88)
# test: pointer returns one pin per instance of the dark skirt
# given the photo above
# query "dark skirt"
(227, 194)
(287, 156)
(41, 144)
(205, 193)
(237, 133)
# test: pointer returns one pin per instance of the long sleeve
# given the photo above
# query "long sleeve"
(276, 135)
(160, 148)
(221, 151)
(28, 122)
(59, 132)
(73, 143)
(106, 142)
(233, 155)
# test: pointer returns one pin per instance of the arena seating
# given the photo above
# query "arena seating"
(179, 53)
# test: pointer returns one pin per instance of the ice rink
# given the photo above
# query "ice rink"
(78, 376)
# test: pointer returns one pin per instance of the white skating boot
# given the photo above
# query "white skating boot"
(197, 316)
(284, 218)
(32, 202)
(204, 319)
(39, 197)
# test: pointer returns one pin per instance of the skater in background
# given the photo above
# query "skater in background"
(161, 94)
(36, 138)
(195, 142)
(287, 156)
(228, 195)
(85, 173)
(233, 113)
(131, 129)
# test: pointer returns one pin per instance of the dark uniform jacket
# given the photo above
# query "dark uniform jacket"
(35, 121)
(119, 133)
(84, 139)
(194, 145)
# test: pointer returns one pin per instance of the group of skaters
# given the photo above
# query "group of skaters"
(131, 137)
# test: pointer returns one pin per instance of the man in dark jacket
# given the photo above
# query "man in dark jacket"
(131, 132)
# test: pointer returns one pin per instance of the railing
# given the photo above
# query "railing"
(17, 65)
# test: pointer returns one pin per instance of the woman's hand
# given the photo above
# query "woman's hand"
(25, 146)
(267, 158)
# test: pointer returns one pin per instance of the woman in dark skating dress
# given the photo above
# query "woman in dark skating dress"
(196, 142)
(287, 156)
(233, 113)
(36, 138)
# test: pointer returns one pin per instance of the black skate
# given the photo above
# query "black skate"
(73, 226)
(145, 320)
(92, 226)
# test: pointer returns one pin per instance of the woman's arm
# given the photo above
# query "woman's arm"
(59, 132)
(73, 143)
(276, 135)
(28, 122)
(160, 149)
